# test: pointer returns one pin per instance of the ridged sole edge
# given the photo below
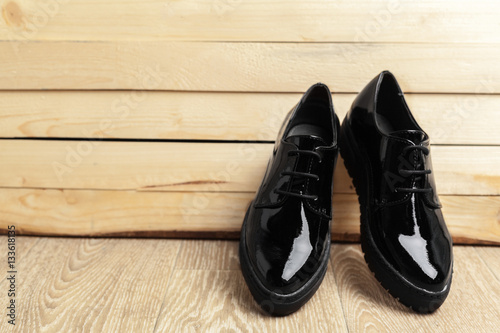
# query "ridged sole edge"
(419, 300)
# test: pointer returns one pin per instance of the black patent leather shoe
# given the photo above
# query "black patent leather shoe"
(403, 233)
(285, 238)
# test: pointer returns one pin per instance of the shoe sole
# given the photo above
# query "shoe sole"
(272, 301)
(418, 299)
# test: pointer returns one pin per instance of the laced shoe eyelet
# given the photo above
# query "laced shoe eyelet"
(302, 175)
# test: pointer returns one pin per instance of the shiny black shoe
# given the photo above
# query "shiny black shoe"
(285, 238)
(403, 233)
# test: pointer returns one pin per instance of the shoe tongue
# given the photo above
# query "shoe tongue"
(415, 136)
(307, 142)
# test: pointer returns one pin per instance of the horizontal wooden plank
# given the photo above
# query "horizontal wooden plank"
(449, 119)
(470, 219)
(187, 214)
(282, 20)
(213, 167)
(223, 66)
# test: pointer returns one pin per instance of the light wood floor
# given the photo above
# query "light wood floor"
(157, 285)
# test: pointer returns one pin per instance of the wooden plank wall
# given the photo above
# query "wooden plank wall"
(127, 118)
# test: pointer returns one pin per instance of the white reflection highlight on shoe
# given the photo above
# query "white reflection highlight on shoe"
(301, 249)
(416, 246)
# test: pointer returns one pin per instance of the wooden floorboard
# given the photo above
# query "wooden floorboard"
(472, 305)
(491, 258)
(208, 255)
(66, 284)
(24, 245)
(110, 285)
(208, 292)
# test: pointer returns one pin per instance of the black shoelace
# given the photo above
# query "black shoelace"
(407, 173)
(301, 176)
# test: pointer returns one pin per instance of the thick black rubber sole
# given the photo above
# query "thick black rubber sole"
(420, 300)
(272, 301)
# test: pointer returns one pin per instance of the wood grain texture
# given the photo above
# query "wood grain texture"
(211, 270)
(212, 167)
(23, 247)
(290, 20)
(217, 299)
(123, 213)
(212, 215)
(220, 301)
(472, 305)
(261, 67)
(110, 285)
(448, 119)
(458, 211)
(491, 258)
(68, 284)
(225, 70)
(149, 166)
(217, 255)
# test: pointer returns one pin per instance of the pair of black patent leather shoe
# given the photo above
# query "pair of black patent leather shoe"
(285, 238)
